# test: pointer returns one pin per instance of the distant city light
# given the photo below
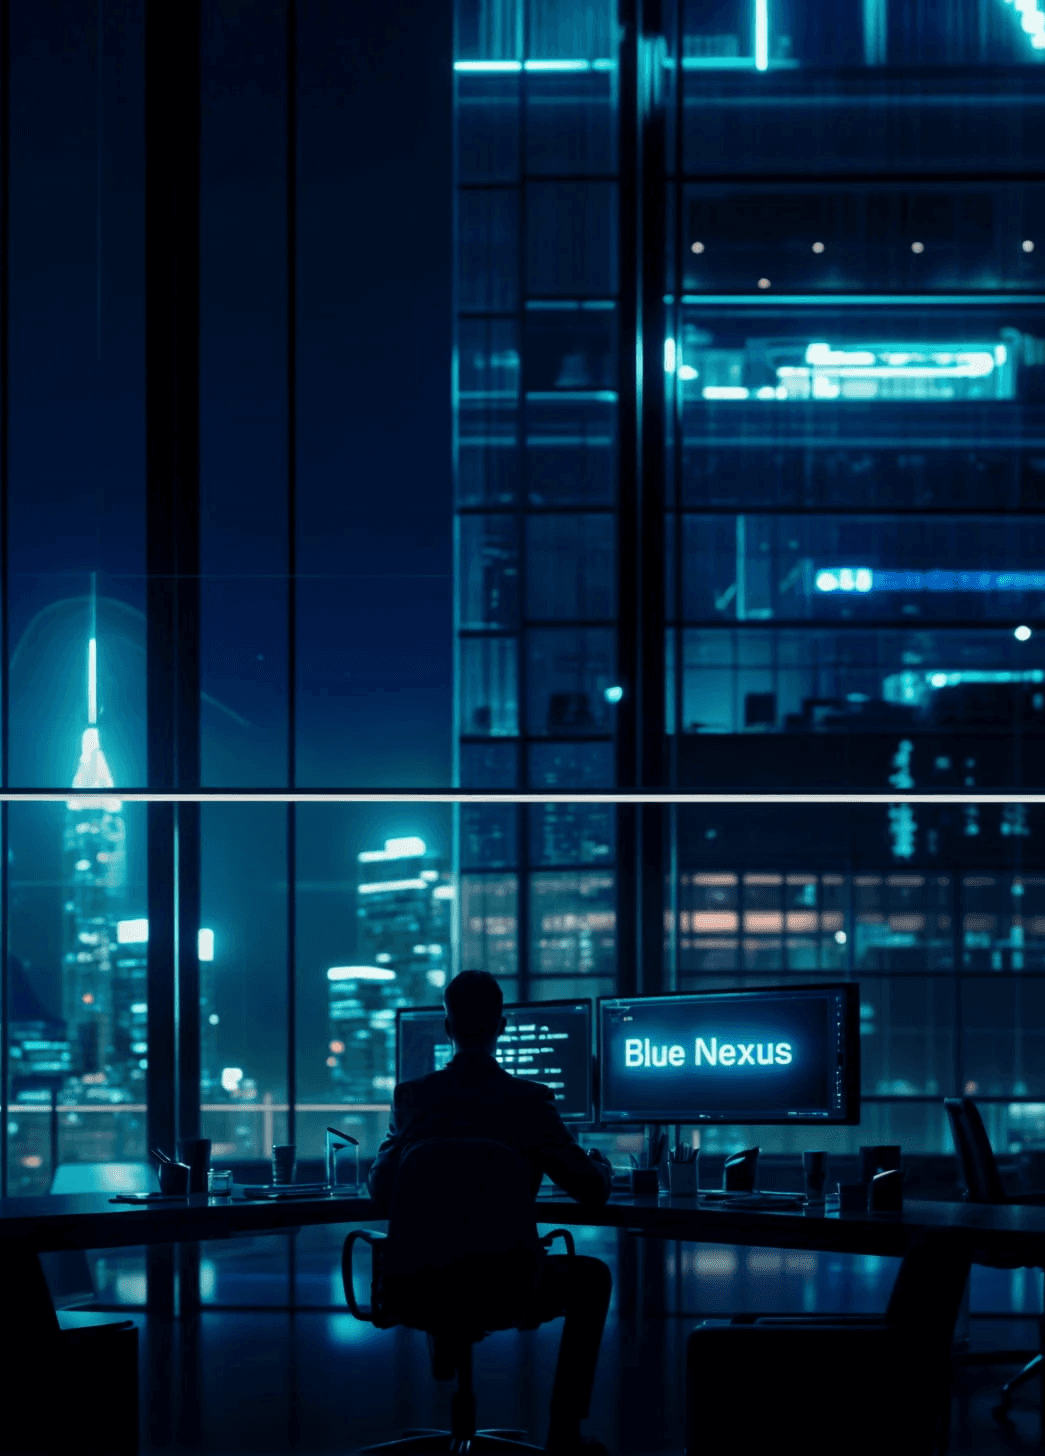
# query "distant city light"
(337, 1046)
(764, 283)
(614, 694)
(429, 875)
(443, 892)
(669, 356)
(1027, 245)
(213, 1018)
(360, 973)
(1022, 634)
(231, 1077)
(436, 979)
(818, 247)
(696, 247)
(87, 998)
(136, 932)
(724, 391)
(840, 937)
(139, 1008)
(687, 372)
(917, 247)
(408, 848)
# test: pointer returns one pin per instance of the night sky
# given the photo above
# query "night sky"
(374, 524)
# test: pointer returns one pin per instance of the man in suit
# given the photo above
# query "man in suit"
(474, 1097)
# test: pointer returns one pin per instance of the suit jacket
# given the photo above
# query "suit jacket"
(475, 1097)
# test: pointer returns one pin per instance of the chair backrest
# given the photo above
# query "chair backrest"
(462, 1246)
(104, 1178)
(976, 1159)
(928, 1291)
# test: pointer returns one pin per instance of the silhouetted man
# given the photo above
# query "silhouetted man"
(473, 1096)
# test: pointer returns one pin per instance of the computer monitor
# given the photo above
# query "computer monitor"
(548, 1041)
(768, 1056)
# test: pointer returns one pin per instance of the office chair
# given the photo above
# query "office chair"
(95, 1353)
(873, 1384)
(461, 1259)
(983, 1184)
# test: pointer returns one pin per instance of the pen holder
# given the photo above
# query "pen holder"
(645, 1182)
(682, 1179)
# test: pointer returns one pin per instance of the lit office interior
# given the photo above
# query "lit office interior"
(736, 488)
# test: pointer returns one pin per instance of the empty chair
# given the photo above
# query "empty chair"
(461, 1259)
(983, 1184)
(872, 1386)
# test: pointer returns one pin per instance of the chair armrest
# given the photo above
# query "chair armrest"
(566, 1237)
(374, 1240)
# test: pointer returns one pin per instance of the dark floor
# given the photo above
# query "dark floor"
(265, 1380)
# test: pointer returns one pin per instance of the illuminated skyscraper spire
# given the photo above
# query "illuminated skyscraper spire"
(93, 772)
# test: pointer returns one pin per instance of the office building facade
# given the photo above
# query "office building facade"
(747, 376)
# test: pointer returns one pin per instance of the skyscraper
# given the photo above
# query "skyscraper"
(749, 488)
(104, 971)
(403, 907)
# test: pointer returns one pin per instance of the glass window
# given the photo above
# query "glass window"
(1002, 1036)
(571, 239)
(571, 120)
(488, 836)
(487, 270)
(907, 1037)
(487, 396)
(487, 113)
(489, 692)
(569, 672)
(79, 1034)
(490, 925)
(573, 925)
(571, 568)
(243, 978)
(488, 573)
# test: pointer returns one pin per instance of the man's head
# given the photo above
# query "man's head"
(474, 1011)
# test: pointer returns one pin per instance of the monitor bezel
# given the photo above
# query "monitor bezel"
(851, 991)
(587, 1120)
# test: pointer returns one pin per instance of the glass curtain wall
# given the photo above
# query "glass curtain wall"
(855, 364)
(537, 381)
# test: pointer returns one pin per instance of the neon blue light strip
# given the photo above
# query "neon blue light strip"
(563, 67)
(862, 579)
(761, 35)
(827, 300)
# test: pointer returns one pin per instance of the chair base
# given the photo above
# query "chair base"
(1005, 1396)
(445, 1443)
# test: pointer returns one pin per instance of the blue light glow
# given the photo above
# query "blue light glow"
(863, 579)
(1032, 20)
(560, 67)
(761, 35)
(614, 694)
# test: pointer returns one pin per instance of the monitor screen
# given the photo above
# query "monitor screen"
(782, 1055)
(548, 1041)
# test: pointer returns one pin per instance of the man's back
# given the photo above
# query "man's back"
(474, 1097)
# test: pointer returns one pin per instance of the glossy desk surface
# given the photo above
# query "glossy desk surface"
(1012, 1234)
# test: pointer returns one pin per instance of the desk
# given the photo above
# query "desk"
(1014, 1233)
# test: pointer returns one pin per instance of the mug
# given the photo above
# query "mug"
(682, 1179)
(195, 1152)
(814, 1166)
(852, 1198)
(738, 1175)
